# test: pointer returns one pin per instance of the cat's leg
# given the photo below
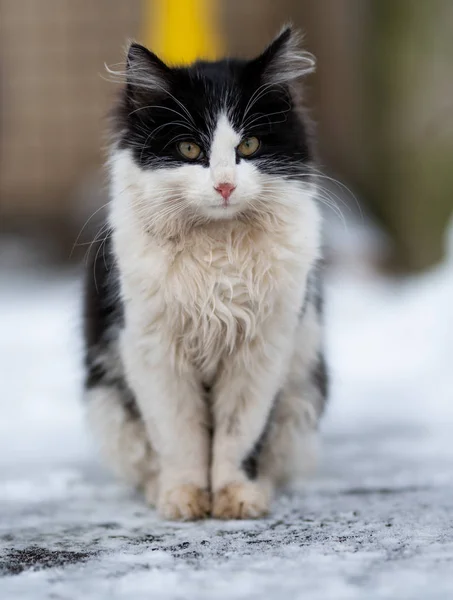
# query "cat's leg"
(176, 418)
(243, 399)
(289, 452)
(120, 433)
(290, 446)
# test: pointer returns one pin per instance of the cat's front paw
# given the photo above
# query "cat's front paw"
(184, 503)
(247, 500)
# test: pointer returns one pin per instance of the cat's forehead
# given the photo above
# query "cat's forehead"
(211, 89)
(214, 74)
(212, 84)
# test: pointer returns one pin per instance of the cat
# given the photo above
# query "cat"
(205, 372)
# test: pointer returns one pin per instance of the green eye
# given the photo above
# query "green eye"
(248, 146)
(189, 150)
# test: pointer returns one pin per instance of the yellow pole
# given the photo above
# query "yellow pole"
(180, 31)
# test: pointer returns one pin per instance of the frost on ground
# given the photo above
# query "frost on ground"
(376, 522)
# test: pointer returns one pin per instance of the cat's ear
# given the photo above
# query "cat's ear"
(145, 72)
(283, 61)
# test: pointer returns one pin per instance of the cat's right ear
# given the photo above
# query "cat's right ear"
(145, 72)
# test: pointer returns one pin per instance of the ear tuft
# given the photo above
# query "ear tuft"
(145, 70)
(283, 61)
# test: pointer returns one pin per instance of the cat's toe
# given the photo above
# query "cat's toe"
(246, 500)
(184, 503)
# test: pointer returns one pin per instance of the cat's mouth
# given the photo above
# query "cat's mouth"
(224, 205)
(222, 211)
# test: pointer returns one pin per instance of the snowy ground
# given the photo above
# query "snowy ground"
(375, 523)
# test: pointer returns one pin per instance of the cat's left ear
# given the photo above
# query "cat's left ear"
(283, 61)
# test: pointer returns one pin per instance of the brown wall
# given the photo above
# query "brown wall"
(54, 98)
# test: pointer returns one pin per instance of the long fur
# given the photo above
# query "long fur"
(205, 372)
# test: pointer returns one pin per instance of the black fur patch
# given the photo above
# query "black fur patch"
(250, 464)
(320, 377)
(95, 374)
(103, 308)
(314, 293)
(103, 320)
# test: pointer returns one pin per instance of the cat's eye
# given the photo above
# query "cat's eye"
(248, 146)
(189, 150)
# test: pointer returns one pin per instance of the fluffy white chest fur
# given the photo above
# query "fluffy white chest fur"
(203, 295)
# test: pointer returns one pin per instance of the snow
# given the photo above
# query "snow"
(375, 523)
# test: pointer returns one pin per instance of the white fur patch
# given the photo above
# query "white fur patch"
(222, 159)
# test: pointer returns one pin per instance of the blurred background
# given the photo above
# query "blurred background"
(382, 98)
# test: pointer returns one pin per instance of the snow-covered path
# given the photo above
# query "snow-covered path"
(376, 522)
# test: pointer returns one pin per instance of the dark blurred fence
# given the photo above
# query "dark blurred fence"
(382, 97)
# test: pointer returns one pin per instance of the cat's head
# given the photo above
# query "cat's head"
(215, 139)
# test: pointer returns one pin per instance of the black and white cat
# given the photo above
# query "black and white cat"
(205, 376)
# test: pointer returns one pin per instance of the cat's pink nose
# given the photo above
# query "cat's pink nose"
(225, 189)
